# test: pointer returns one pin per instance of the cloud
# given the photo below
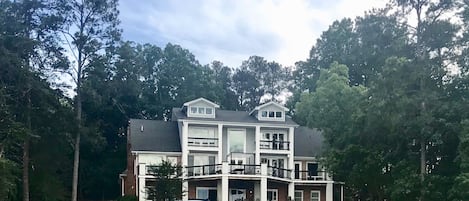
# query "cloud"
(231, 31)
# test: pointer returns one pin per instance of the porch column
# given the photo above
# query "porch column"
(263, 194)
(184, 160)
(329, 191)
(341, 192)
(220, 143)
(224, 188)
(257, 190)
(291, 190)
(185, 190)
(142, 195)
(258, 146)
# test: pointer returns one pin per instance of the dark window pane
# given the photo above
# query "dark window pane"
(278, 114)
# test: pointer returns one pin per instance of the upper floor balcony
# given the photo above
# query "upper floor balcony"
(311, 175)
(274, 145)
(237, 170)
(202, 142)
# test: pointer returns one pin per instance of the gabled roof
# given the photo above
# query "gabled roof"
(203, 100)
(153, 135)
(267, 104)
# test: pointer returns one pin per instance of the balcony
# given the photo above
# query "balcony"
(274, 145)
(279, 172)
(202, 142)
(204, 170)
(310, 175)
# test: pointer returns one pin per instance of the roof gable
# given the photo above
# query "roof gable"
(271, 103)
(201, 100)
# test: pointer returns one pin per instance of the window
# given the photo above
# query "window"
(237, 194)
(272, 195)
(312, 170)
(315, 196)
(206, 193)
(201, 110)
(272, 114)
(278, 114)
(297, 170)
(298, 195)
(237, 141)
(202, 162)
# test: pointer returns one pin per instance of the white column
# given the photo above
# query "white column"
(342, 192)
(257, 190)
(329, 191)
(258, 146)
(263, 186)
(291, 190)
(219, 190)
(184, 160)
(220, 143)
(142, 194)
(185, 190)
(291, 155)
(263, 195)
(224, 188)
(184, 148)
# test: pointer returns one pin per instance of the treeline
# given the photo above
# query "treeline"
(390, 96)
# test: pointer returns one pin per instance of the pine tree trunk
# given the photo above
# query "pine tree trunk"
(76, 157)
(26, 143)
(26, 169)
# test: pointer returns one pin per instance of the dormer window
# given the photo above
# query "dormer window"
(270, 112)
(201, 108)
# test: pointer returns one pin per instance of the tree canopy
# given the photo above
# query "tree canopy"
(389, 90)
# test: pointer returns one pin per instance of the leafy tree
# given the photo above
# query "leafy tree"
(462, 180)
(258, 79)
(167, 184)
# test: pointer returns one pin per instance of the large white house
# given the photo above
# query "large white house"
(227, 155)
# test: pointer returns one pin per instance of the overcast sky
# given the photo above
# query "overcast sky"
(232, 30)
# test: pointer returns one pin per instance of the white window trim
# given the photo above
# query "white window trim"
(228, 138)
(203, 188)
(315, 191)
(198, 114)
(274, 118)
(302, 196)
(274, 190)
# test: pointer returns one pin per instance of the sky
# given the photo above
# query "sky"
(232, 30)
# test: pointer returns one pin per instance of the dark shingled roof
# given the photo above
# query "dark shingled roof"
(161, 136)
(230, 116)
(308, 142)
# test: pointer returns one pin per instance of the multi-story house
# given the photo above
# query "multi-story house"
(262, 155)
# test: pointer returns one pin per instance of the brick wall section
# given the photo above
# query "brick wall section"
(129, 180)
(307, 191)
(282, 190)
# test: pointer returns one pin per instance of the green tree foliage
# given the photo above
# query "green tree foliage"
(257, 79)
(167, 184)
(90, 29)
